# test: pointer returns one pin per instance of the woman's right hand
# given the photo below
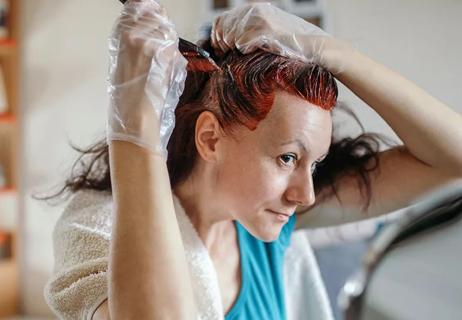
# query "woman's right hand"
(146, 76)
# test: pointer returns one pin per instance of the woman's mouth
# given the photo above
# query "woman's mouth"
(280, 216)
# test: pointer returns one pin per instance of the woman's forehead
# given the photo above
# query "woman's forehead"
(292, 115)
(293, 120)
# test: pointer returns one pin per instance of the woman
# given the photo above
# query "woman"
(255, 150)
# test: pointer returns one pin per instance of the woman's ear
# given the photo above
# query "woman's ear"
(207, 135)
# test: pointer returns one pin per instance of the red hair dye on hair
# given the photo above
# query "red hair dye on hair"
(246, 84)
(240, 93)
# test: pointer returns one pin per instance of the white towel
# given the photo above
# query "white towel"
(306, 296)
(81, 248)
(203, 275)
(81, 241)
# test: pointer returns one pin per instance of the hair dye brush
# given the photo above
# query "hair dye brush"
(199, 60)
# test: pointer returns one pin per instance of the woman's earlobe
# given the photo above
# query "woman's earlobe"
(207, 135)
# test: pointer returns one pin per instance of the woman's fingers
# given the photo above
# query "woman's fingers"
(143, 24)
(239, 27)
(214, 33)
(147, 74)
(264, 26)
(218, 40)
(143, 35)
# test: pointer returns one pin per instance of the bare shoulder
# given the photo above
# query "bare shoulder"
(102, 312)
(395, 183)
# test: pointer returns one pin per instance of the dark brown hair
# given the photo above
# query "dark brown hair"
(241, 93)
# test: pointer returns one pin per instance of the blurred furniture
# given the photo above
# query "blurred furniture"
(9, 159)
(337, 262)
(411, 269)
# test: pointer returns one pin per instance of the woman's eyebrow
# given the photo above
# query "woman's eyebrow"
(298, 142)
(302, 146)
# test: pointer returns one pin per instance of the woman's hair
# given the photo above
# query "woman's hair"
(240, 94)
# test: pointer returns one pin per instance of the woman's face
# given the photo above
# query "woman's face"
(269, 170)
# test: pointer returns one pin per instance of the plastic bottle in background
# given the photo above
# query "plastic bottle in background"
(4, 9)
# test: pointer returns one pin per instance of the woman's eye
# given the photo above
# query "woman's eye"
(287, 158)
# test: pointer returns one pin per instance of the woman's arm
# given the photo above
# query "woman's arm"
(431, 132)
(102, 312)
(148, 274)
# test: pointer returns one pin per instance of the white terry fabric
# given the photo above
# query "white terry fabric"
(81, 240)
(305, 293)
(203, 276)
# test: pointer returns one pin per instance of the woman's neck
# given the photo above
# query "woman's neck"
(212, 223)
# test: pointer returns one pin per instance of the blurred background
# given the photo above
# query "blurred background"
(53, 66)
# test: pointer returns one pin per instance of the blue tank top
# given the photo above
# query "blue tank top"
(262, 287)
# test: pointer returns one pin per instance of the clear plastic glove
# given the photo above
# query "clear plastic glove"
(146, 76)
(262, 25)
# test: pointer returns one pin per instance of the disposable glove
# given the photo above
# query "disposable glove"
(264, 26)
(146, 76)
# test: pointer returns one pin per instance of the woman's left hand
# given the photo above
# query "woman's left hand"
(264, 26)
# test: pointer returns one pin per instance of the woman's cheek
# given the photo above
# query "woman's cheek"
(271, 186)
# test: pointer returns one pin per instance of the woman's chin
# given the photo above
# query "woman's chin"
(264, 230)
(268, 235)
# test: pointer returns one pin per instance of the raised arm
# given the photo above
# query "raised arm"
(148, 274)
(431, 131)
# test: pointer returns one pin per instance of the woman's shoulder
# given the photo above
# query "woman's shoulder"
(87, 208)
(88, 198)
(83, 231)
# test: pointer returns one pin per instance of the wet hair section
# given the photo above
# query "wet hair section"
(240, 93)
(245, 85)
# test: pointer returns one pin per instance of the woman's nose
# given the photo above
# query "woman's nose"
(301, 190)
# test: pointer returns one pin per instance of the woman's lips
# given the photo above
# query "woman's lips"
(285, 214)
(281, 217)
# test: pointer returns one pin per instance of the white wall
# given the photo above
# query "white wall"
(64, 70)
(418, 38)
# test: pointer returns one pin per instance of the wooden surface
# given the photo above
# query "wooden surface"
(8, 287)
(9, 156)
